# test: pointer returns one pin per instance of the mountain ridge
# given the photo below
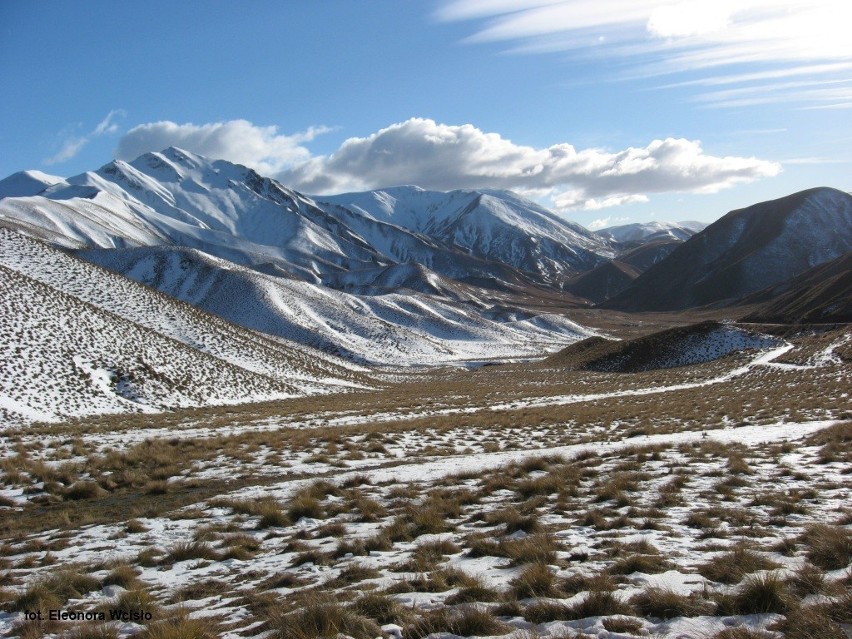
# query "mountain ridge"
(745, 251)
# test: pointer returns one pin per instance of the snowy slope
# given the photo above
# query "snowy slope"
(79, 340)
(63, 358)
(406, 329)
(651, 232)
(492, 225)
(229, 211)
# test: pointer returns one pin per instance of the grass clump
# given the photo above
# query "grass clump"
(92, 631)
(324, 619)
(665, 603)
(187, 550)
(535, 581)
(83, 490)
(731, 567)
(648, 564)
(54, 590)
(466, 621)
(125, 576)
(829, 547)
(181, 626)
(382, 609)
(763, 593)
(598, 603)
(136, 600)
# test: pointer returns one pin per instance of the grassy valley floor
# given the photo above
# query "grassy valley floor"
(523, 500)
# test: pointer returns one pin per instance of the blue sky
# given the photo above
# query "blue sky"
(609, 111)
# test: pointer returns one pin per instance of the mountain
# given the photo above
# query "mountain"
(604, 281)
(746, 251)
(405, 328)
(496, 226)
(247, 249)
(493, 239)
(611, 278)
(671, 348)
(644, 232)
(822, 294)
(80, 340)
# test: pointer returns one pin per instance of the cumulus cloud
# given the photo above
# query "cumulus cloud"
(260, 147)
(72, 144)
(445, 157)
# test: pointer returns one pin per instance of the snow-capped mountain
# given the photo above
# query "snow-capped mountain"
(399, 328)
(243, 278)
(497, 226)
(229, 211)
(746, 251)
(651, 232)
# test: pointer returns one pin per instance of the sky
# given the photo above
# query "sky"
(607, 111)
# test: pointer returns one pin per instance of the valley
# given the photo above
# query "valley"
(523, 500)
(230, 409)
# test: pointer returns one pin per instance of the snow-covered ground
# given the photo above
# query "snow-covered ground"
(570, 526)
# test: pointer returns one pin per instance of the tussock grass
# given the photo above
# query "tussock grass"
(767, 592)
(598, 603)
(382, 609)
(55, 589)
(323, 619)
(810, 622)
(648, 564)
(665, 603)
(808, 580)
(123, 575)
(731, 567)
(742, 633)
(83, 490)
(577, 583)
(465, 621)
(92, 631)
(536, 580)
(513, 520)
(181, 626)
(186, 550)
(353, 574)
(137, 600)
(829, 547)
(474, 593)
(202, 590)
(623, 624)
(546, 611)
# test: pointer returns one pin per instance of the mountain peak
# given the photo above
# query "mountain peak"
(27, 183)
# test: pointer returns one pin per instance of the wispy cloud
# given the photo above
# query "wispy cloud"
(71, 145)
(776, 38)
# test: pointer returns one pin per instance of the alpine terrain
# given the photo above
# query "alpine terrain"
(231, 409)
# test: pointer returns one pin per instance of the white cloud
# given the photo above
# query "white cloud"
(260, 147)
(659, 37)
(73, 144)
(690, 18)
(108, 124)
(444, 157)
(70, 147)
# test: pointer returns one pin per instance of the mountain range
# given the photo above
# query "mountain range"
(175, 280)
